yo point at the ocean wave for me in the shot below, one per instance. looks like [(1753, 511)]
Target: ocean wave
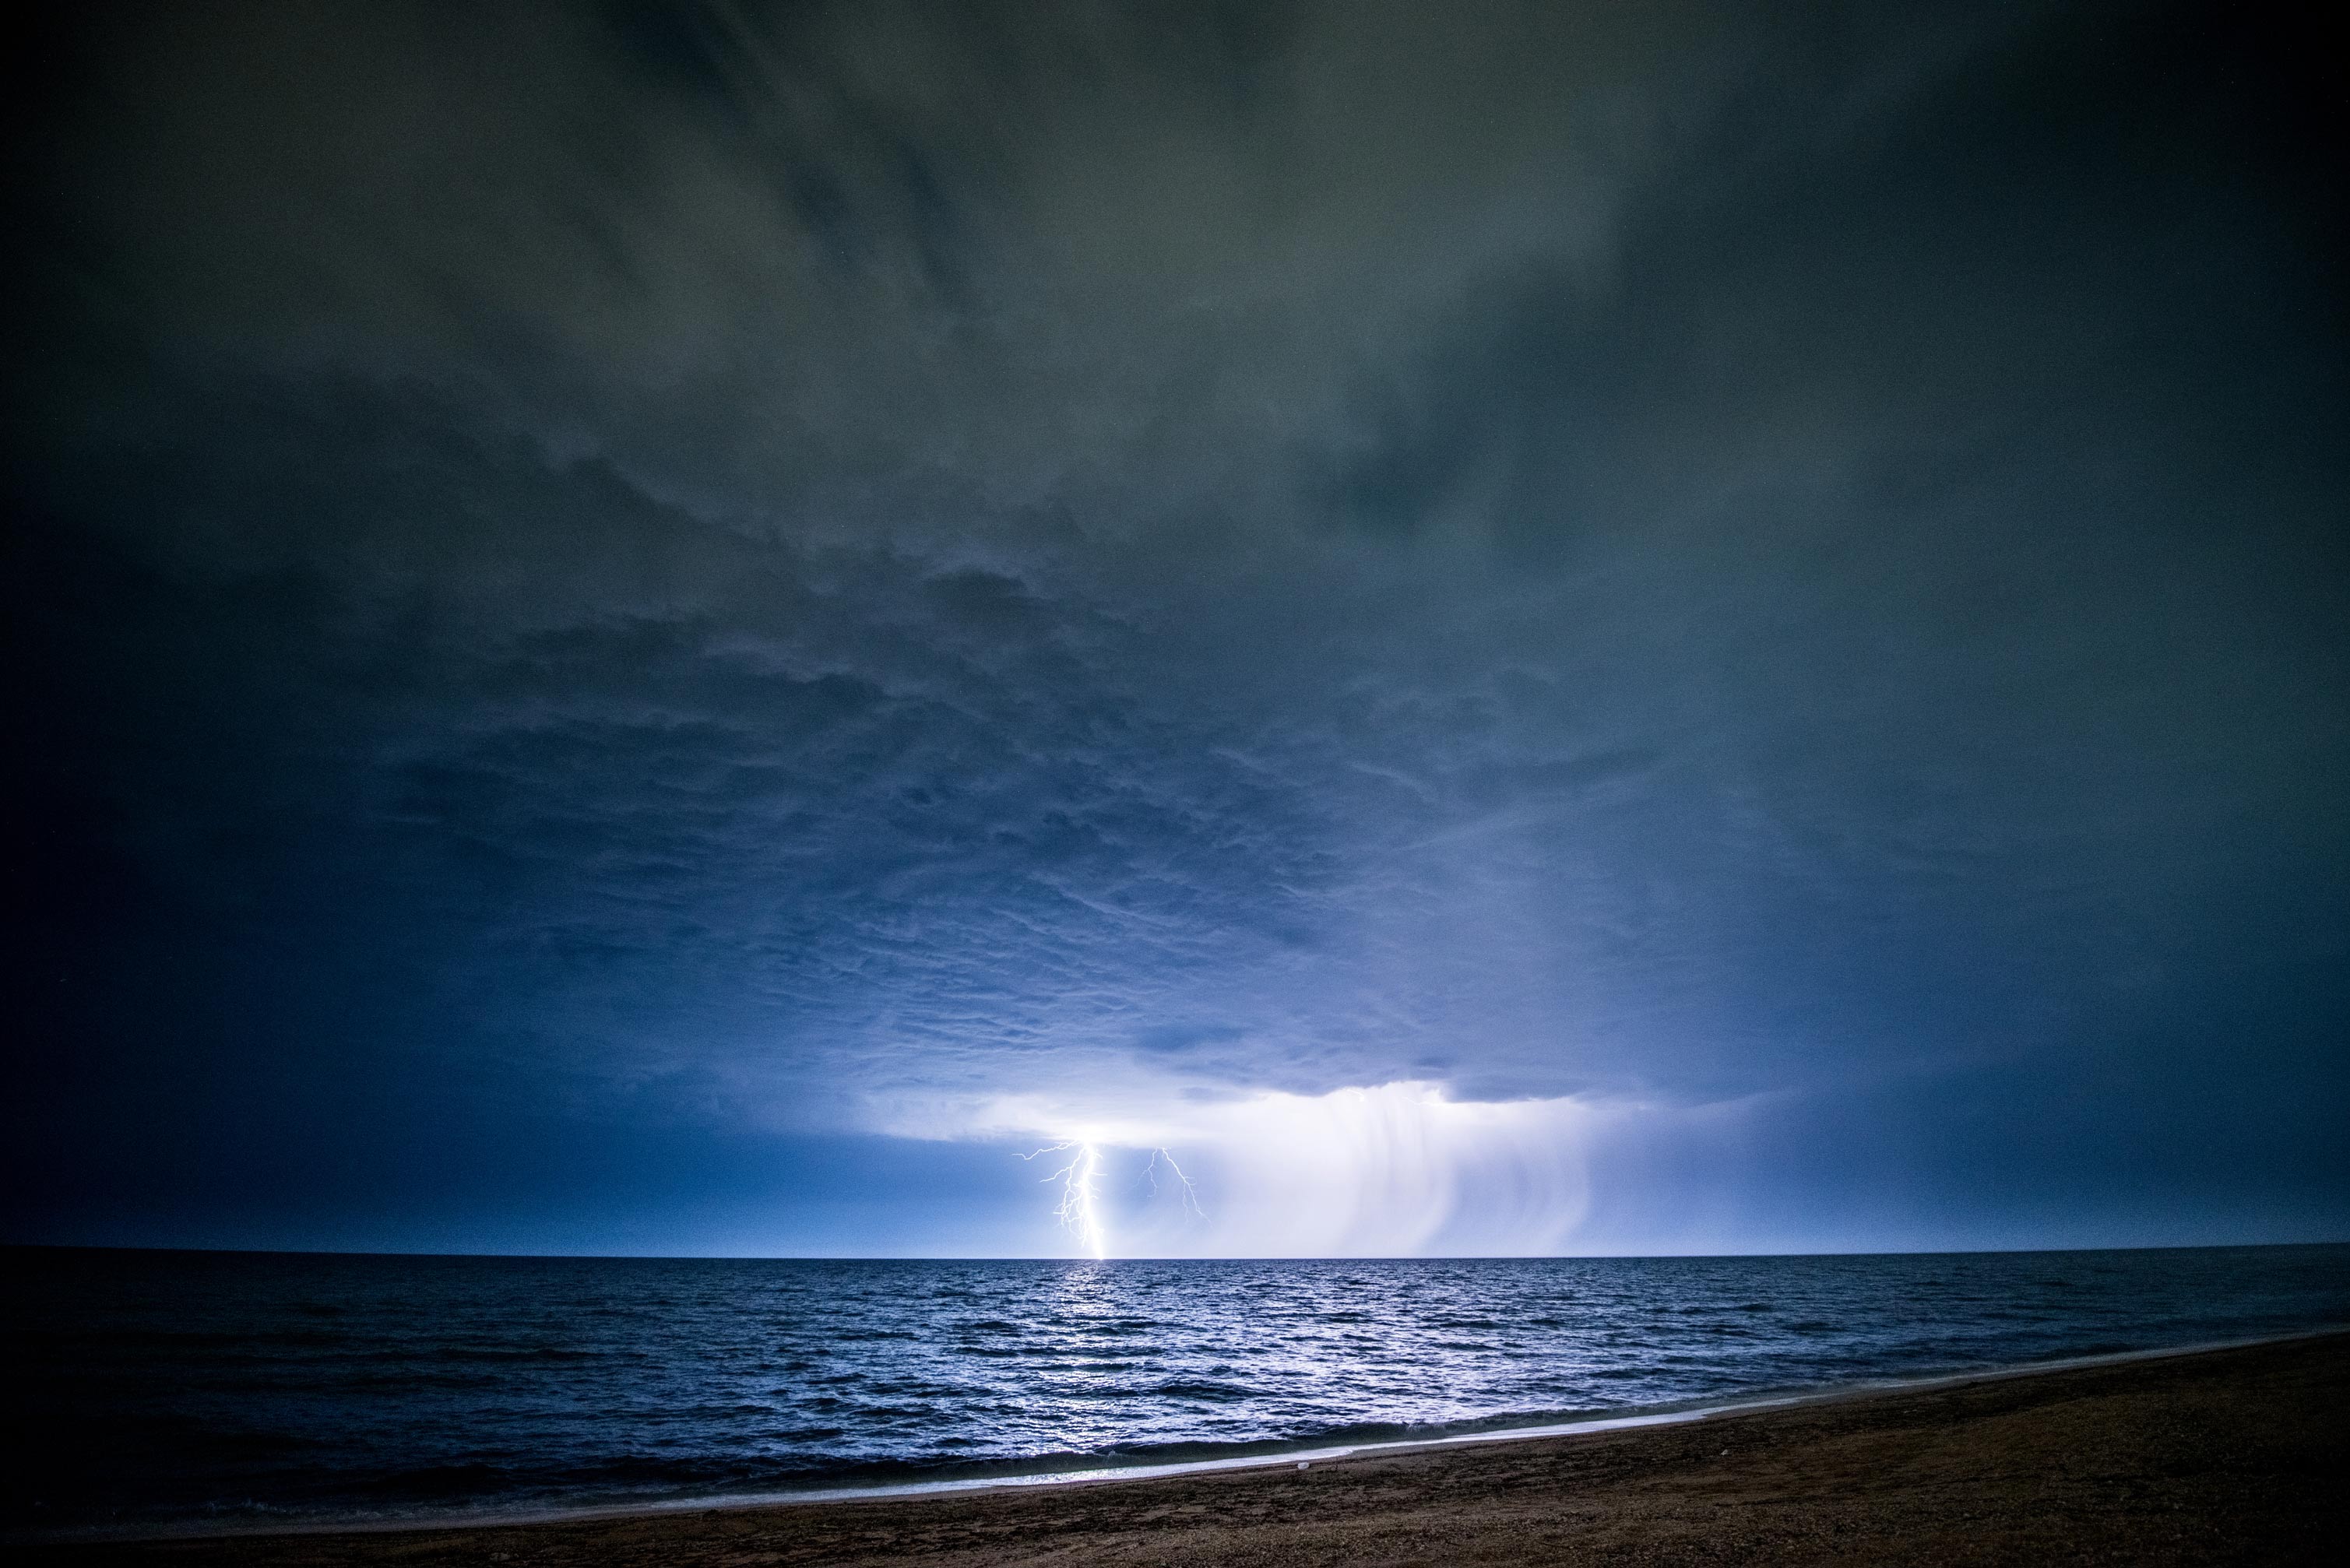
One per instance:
[(440, 1384)]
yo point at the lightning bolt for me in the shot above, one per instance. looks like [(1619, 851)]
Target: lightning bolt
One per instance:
[(1079, 1210), (1191, 1197)]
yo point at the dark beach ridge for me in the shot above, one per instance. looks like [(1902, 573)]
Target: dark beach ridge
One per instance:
[(2217, 1456)]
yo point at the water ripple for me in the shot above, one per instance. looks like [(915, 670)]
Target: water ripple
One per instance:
[(171, 1386)]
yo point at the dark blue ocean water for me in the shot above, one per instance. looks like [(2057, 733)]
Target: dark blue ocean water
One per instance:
[(170, 1388)]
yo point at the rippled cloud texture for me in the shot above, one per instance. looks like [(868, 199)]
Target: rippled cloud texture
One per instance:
[(1515, 627)]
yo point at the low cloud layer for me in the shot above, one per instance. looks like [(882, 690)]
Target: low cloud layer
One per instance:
[(715, 573)]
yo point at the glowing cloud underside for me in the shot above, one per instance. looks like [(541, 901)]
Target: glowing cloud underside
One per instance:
[(1395, 1170)]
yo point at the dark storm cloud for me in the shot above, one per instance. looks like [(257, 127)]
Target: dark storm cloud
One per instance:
[(804, 567)]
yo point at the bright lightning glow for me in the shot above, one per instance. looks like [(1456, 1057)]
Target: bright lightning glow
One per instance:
[(1381, 1170), (1080, 1209)]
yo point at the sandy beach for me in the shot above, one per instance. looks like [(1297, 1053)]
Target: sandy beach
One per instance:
[(2228, 1456)]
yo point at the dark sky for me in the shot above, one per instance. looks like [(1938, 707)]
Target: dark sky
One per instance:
[(1505, 627)]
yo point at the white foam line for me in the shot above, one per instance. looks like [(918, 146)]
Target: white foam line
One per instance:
[(1286, 1459)]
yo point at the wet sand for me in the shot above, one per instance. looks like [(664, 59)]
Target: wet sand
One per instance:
[(2231, 1455)]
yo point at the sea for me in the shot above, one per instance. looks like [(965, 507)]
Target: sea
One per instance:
[(158, 1392)]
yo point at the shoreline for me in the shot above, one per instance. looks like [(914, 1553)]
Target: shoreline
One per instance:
[(1302, 1456)]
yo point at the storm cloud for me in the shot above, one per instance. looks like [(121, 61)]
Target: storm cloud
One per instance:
[(629, 627)]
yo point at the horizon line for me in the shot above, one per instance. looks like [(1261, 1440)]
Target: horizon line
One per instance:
[(1157, 1258)]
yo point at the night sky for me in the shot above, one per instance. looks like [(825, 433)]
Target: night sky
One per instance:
[(1643, 627)]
